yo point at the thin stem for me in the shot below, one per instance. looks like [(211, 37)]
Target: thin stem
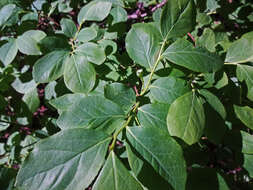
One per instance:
[(154, 68), (72, 41), (118, 132), (115, 135)]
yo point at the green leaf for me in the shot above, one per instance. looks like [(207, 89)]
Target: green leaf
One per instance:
[(64, 102), (89, 112), (236, 55), (68, 27), (68, 160), (143, 44), (121, 95), (119, 15), (94, 11), (161, 151), (115, 176), (178, 17), (248, 164), (245, 73), (215, 115), (5, 13), (212, 5), (93, 52), (28, 42), (32, 100), (87, 34), (245, 114), (184, 54), (247, 143), (8, 52), (141, 168), (186, 118), (167, 89), (50, 67), (214, 102), (207, 40), (79, 74), (153, 115)]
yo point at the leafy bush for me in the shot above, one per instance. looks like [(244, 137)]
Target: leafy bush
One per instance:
[(126, 95)]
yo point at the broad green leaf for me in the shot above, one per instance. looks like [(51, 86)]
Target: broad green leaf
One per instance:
[(214, 102), (207, 40), (184, 54), (247, 143), (28, 42), (215, 115), (94, 11), (245, 73), (64, 102), (161, 151), (79, 74), (115, 2), (178, 17), (8, 52), (93, 52), (22, 85), (91, 111), (121, 95), (7, 178), (5, 13), (153, 115), (205, 178), (68, 160), (50, 67), (3, 103), (115, 176), (68, 27), (143, 44), (248, 164), (141, 168), (245, 114), (119, 15), (236, 55), (167, 89), (32, 100), (186, 118), (212, 5), (87, 34), (53, 43)]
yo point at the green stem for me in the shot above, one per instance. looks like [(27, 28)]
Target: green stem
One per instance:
[(118, 132), (154, 68), (72, 41)]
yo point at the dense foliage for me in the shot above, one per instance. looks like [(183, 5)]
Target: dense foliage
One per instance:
[(126, 94)]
